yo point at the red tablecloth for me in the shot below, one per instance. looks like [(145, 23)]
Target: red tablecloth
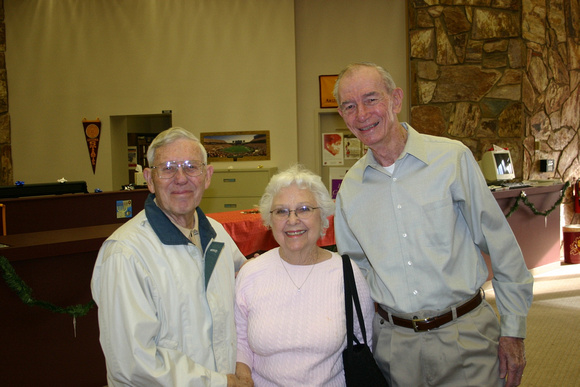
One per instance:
[(246, 229)]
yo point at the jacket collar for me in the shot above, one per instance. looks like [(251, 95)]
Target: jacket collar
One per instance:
[(168, 233)]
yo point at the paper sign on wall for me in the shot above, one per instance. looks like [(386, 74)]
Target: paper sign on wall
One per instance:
[(352, 147), (332, 149), (335, 176)]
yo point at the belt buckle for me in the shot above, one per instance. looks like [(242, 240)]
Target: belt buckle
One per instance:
[(415, 320)]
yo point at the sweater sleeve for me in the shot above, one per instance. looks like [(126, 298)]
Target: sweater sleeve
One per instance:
[(244, 353)]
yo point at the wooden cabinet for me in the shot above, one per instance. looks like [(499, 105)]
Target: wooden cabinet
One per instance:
[(235, 189), (538, 236)]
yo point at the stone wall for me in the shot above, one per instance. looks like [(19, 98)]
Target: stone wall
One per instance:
[(5, 147), (503, 72)]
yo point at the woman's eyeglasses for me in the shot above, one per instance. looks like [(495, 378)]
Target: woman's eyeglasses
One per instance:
[(303, 212)]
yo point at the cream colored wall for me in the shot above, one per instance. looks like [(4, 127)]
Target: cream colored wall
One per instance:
[(332, 34), (219, 65)]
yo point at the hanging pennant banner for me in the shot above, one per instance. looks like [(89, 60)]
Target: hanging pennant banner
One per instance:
[(92, 131)]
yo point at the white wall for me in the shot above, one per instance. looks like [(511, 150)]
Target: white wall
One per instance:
[(219, 65), (333, 33)]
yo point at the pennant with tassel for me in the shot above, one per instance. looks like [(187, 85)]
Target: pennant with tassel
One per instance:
[(92, 131)]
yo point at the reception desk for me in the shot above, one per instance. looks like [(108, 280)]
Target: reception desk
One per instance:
[(52, 243), (538, 236), (39, 346)]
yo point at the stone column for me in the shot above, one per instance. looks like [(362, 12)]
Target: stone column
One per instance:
[(6, 177), (502, 72)]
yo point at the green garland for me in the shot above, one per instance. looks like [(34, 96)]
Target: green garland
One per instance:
[(23, 291), (523, 197)]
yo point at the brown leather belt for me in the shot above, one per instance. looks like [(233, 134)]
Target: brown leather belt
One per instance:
[(421, 325)]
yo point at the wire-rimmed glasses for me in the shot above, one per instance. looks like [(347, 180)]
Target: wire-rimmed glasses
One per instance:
[(303, 212), (191, 168)]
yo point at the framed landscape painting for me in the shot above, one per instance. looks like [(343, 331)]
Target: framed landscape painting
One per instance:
[(237, 146)]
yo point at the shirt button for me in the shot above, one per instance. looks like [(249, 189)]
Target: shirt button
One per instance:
[(415, 292), (404, 235), (394, 179), (399, 206), (410, 263)]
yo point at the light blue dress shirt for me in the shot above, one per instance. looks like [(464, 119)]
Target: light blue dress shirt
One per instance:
[(418, 234)]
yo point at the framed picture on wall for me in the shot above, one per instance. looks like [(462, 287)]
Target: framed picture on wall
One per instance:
[(237, 146), (326, 85)]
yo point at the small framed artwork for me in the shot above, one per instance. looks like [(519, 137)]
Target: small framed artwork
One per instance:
[(237, 146), (326, 84)]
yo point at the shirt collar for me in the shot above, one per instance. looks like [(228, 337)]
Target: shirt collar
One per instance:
[(414, 146)]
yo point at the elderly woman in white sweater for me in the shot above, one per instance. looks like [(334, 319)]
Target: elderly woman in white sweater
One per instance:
[(290, 312)]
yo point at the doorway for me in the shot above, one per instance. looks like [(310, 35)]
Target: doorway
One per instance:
[(130, 138)]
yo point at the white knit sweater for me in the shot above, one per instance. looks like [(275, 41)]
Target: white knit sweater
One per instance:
[(291, 337)]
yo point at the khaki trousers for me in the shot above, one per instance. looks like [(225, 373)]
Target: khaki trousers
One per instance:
[(461, 353)]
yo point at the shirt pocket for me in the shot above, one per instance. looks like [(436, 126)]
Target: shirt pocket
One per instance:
[(438, 219)]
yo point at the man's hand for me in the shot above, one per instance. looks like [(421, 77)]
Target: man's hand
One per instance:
[(512, 360)]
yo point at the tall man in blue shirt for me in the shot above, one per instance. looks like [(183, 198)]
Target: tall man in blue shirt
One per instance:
[(415, 213)]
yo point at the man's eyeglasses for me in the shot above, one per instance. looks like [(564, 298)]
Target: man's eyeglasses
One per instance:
[(303, 212), (169, 169)]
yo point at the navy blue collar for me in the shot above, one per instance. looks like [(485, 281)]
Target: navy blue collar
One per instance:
[(168, 233)]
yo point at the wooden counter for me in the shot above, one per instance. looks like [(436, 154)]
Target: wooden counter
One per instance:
[(39, 347), (55, 243), (52, 243), (57, 212), (538, 236)]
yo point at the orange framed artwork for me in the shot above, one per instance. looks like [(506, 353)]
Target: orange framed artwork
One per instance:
[(326, 84)]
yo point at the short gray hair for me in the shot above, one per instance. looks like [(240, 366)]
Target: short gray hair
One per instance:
[(304, 179), (385, 75), (169, 136)]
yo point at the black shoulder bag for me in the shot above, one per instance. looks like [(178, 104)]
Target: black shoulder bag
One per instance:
[(360, 367)]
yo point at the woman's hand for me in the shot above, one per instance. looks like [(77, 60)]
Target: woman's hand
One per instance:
[(242, 378)]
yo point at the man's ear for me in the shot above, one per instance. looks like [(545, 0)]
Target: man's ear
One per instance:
[(148, 175), (208, 174), (397, 96)]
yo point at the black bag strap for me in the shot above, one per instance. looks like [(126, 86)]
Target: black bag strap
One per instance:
[(350, 295)]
